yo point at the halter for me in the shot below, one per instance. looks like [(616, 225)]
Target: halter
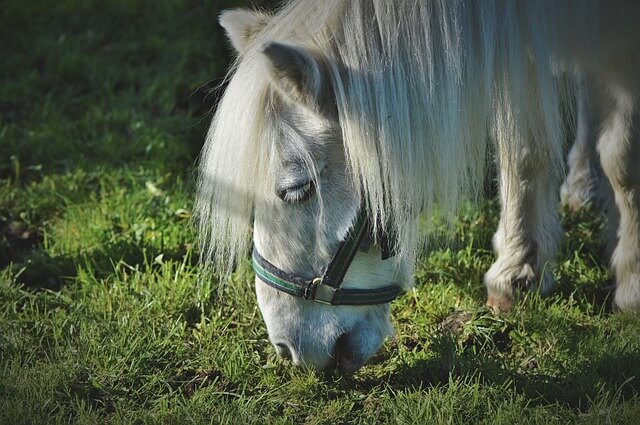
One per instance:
[(326, 289)]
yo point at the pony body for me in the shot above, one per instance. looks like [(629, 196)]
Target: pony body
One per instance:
[(394, 104)]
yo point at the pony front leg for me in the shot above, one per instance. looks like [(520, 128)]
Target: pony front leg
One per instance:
[(529, 228), (619, 148)]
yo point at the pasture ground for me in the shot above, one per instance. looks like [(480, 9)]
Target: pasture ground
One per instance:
[(105, 316)]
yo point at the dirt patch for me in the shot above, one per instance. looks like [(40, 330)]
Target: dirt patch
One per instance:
[(16, 240)]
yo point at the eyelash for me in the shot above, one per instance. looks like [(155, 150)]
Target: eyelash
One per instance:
[(296, 194)]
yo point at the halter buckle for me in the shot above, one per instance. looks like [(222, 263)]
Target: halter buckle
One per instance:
[(310, 289), (318, 291)]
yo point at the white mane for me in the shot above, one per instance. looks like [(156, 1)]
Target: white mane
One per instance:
[(420, 87)]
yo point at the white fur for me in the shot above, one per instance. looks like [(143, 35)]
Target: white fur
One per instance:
[(580, 187), (416, 86)]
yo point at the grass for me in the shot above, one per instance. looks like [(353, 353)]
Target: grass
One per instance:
[(105, 316)]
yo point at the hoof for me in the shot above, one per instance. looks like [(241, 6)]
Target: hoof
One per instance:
[(499, 304)]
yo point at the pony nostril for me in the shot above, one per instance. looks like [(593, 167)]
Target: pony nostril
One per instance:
[(349, 360), (283, 350)]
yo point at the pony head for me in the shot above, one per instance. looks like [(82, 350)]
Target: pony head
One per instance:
[(275, 153)]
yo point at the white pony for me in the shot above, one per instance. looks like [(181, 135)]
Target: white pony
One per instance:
[(335, 104)]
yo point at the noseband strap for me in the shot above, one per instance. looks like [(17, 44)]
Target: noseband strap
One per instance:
[(327, 289)]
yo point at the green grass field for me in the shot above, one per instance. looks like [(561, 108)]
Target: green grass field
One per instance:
[(106, 317)]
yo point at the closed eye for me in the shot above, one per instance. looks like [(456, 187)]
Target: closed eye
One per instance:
[(297, 193)]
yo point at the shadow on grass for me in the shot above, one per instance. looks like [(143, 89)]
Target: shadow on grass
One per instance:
[(612, 376), (40, 270)]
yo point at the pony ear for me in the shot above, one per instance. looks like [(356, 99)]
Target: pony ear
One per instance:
[(242, 26), (300, 76)]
